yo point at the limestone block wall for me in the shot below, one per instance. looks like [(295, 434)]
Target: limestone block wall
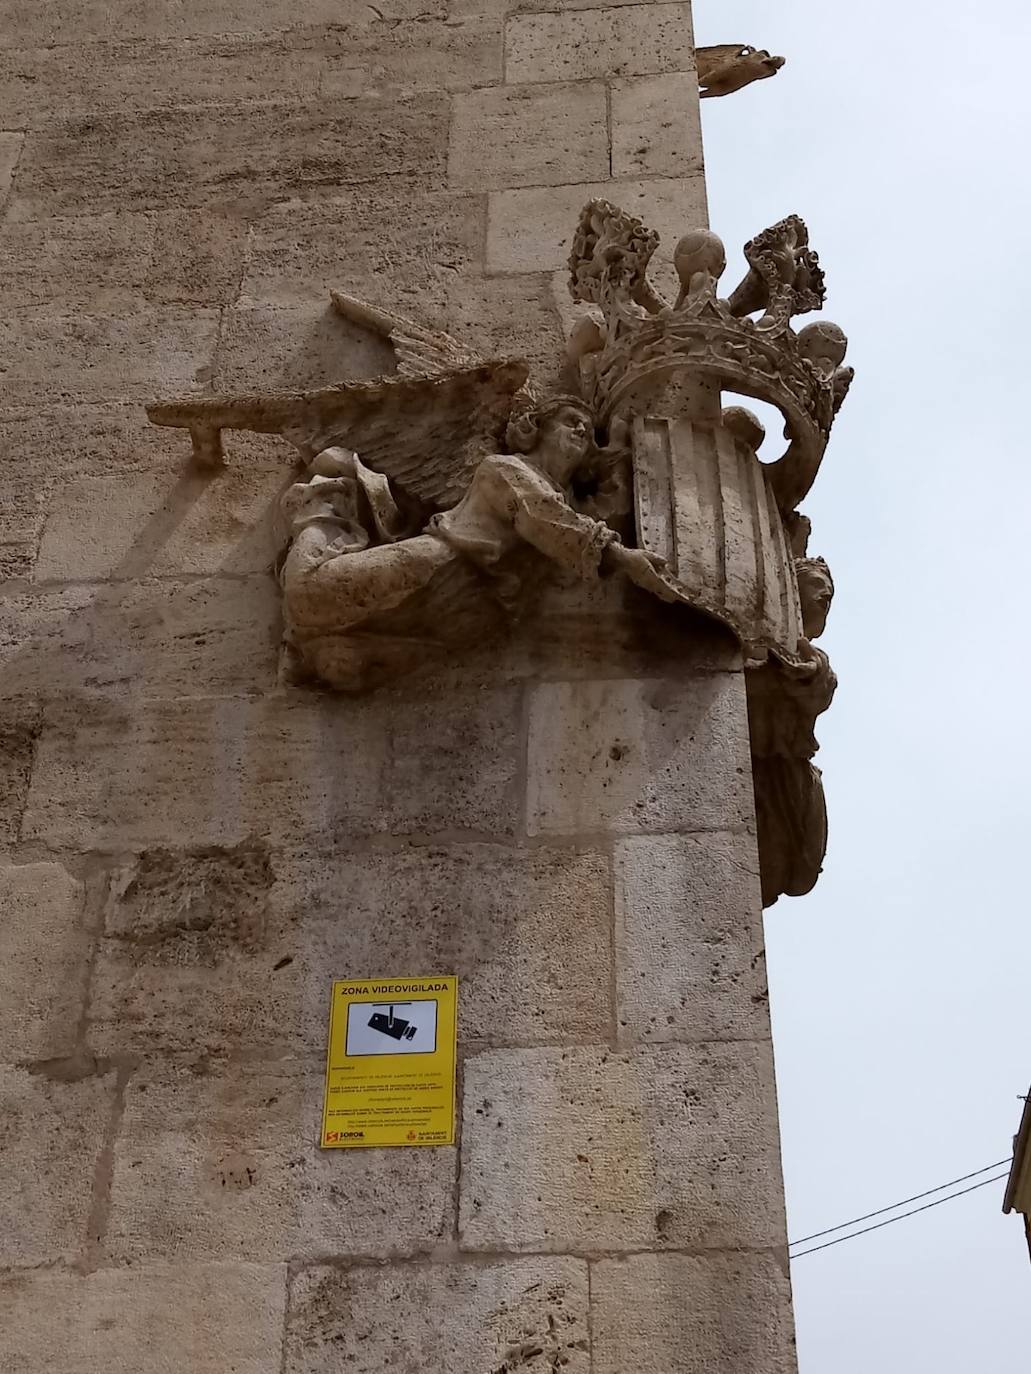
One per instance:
[(191, 849)]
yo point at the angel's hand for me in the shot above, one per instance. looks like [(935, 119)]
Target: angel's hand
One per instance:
[(637, 564)]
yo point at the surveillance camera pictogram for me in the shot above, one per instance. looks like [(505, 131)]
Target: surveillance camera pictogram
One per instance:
[(392, 1027)]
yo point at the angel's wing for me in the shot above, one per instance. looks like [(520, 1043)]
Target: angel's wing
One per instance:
[(426, 428), (420, 352)]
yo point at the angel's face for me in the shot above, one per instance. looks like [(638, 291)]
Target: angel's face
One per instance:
[(565, 438)]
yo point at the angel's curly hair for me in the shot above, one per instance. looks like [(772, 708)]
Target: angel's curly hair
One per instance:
[(523, 432)]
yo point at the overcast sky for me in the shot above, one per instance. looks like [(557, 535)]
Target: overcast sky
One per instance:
[(900, 987)]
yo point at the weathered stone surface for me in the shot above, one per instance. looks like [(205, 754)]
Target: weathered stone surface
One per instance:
[(528, 230), (221, 771), (171, 521), (270, 349), (718, 1314), (97, 357), (689, 939), (509, 317), (498, 9), (656, 130), (153, 638), (117, 263), (43, 953), (588, 1150), (51, 1134), (79, 21), (19, 729), (480, 1319), (619, 41), (98, 438), (204, 953), (527, 932), (193, 961), (364, 244), (115, 76), (634, 755), (529, 136), (426, 55), (207, 1319), (227, 1163), (158, 158), (10, 151)]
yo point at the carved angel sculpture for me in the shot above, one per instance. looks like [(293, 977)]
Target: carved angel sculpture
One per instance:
[(728, 67), (366, 600), (783, 703)]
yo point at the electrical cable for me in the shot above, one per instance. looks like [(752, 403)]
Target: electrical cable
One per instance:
[(904, 1203), (891, 1221)]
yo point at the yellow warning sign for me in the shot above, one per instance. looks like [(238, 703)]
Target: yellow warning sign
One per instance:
[(390, 1070)]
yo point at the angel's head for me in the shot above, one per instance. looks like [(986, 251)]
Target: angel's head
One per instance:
[(557, 436), (815, 592)]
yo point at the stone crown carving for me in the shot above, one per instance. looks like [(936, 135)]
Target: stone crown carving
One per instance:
[(641, 338)]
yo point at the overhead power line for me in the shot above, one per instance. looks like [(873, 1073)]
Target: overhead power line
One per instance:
[(891, 1220), (904, 1203)]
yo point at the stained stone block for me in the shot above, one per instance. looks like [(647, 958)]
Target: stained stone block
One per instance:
[(227, 1163), (111, 438), (309, 346), (169, 521), (689, 939), (152, 638), (656, 130), (75, 21), (117, 263), (424, 55), (20, 723), (201, 1318), (619, 41), (638, 756), (99, 357), (221, 771), (527, 932), (587, 1150), (365, 244), (719, 1314), (528, 230), (43, 954), (179, 158), (192, 961), (498, 9), (113, 76), (10, 151), (529, 136), (440, 1319), (509, 317), (51, 1134)]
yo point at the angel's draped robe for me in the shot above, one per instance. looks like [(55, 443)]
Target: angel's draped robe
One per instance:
[(359, 617)]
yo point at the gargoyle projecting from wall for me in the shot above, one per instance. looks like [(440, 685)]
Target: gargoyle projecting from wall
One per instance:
[(729, 67)]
